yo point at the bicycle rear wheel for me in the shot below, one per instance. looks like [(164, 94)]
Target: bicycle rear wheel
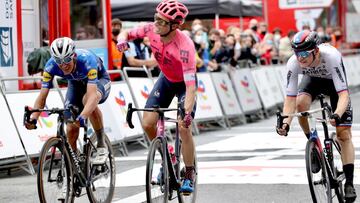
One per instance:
[(157, 173), (102, 178), (180, 170), (318, 178), (54, 179)]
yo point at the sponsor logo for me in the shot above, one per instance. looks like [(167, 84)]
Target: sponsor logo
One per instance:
[(6, 47), (120, 100), (225, 88), (145, 92), (46, 77), (201, 90), (246, 84), (92, 74)]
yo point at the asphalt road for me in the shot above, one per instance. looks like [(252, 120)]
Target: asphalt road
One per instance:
[(247, 163)]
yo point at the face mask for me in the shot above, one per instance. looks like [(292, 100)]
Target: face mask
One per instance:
[(115, 31), (212, 42), (254, 28), (338, 37), (263, 32), (321, 34), (198, 39), (269, 42)]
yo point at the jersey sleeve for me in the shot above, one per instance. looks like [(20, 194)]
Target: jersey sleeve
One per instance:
[(338, 73), (141, 31), (188, 62), (92, 70), (47, 76), (292, 78)]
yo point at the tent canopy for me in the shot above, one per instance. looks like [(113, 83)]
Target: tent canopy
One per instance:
[(134, 10)]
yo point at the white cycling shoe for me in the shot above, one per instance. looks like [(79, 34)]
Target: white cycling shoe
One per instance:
[(102, 155)]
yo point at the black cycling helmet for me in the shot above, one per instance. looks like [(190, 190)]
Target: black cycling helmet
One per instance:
[(305, 40)]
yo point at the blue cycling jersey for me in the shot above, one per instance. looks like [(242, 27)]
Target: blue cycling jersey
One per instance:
[(88, 68)]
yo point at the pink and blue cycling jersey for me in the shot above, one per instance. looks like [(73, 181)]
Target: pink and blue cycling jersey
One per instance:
[(176, 59)]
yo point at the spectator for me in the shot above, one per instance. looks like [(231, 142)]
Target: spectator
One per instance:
[(253, 28), (100, 27), (91, 32), (266, 49), (214, 42), (116, 26), (263, 29), (285, 50), (200, 46), (81, 34), (247, 49), (225, 55)]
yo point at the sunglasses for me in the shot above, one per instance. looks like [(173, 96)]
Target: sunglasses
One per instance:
[(303, 54), (65, 60), (160, 21)]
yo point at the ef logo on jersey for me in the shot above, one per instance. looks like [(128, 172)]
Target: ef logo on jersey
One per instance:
[(46, 77), (92, 74)]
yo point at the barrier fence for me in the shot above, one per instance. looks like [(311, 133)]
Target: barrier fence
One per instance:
[(220, 97)]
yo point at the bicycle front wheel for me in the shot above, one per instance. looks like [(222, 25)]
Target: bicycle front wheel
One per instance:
[(157, 173), (101, 177), (54, 179), (318, 178)]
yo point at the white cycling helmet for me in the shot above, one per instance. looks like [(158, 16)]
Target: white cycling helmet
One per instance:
[(62, 50)]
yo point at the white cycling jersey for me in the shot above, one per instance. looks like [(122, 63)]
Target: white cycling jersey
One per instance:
[(330, 67)]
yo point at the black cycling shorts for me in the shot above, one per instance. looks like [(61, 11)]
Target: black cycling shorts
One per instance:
[(315, 86)]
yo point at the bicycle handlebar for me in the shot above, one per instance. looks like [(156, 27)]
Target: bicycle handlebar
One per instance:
[(155, 109), (69, 113)]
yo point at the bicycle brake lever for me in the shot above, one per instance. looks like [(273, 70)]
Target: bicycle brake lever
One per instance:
[(129, 115)]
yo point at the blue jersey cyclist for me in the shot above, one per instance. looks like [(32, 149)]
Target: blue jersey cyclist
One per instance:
[(88, 86)]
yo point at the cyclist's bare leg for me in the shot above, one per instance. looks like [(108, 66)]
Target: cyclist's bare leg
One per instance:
[(96, 120), (149, 124), (303, 103), (188, 146), (347, 147), (72, 132)]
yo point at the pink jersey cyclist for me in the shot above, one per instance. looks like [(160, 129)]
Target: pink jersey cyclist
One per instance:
[(176, 59)]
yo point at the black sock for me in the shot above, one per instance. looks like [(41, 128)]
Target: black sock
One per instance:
[(349, 173), (100, 137), (189, 171), (307, 135)]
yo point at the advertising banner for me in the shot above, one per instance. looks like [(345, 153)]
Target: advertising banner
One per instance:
[(264, 87), (116, 110), (10, 145), (8, 42), (291, 4), (208, 105), (246, 90), (226, 94), (46, 125)]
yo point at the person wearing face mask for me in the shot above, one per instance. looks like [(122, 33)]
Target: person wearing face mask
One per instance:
[(262, 30), (253, 26), (117, 56)]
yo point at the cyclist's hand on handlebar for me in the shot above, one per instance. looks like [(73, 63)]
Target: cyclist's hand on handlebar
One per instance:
[(283, 131), (122, 45), (81, 121), (335, 119), (186, 121), (31, 124)]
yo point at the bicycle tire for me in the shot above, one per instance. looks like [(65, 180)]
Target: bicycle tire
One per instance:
[(157, 191), (52, 153), (319, 183), (337, 168), (94, 172), (181, 173)]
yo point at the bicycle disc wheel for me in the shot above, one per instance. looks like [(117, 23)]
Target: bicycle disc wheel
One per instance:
[(54, 179), (337, 168), (102, 178), (181, 168), (318, 178), (157, 173)]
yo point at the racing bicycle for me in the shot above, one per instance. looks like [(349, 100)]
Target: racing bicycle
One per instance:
[(161, 161), (323, 164), (63, 171)]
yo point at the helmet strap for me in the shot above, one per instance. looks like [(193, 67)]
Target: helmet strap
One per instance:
[(171, 29)]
